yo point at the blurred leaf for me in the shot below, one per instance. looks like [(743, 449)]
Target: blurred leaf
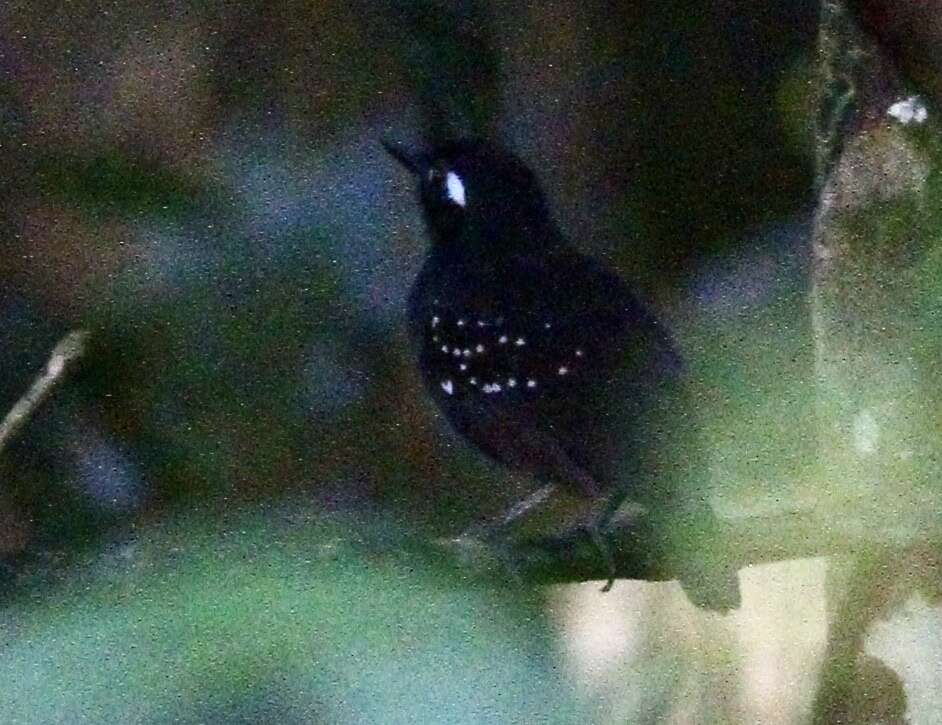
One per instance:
[(115, 184), (278, 614)]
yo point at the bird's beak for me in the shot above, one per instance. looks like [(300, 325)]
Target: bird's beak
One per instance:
[(410, 160)]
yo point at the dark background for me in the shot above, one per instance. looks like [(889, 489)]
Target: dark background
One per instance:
[(201, 187), (203, 190)]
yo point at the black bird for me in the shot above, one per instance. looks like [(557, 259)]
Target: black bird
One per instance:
[(537, 354)]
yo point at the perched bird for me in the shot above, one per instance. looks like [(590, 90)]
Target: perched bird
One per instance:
[(537, 354)]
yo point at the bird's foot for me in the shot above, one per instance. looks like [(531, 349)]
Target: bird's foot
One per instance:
[(597, 525), (597, 537)]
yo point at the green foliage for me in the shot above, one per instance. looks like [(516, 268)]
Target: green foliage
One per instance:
[(275, 615), (117, 184)]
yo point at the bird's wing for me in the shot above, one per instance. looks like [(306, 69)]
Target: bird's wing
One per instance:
[(587, 325)]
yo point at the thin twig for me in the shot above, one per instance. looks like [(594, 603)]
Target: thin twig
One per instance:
[(69, 349)]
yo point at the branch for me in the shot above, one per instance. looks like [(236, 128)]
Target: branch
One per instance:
[(69, 349), (704, 556)]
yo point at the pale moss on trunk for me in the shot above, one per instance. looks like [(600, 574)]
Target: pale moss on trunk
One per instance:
[(875, 302), (876, 285)]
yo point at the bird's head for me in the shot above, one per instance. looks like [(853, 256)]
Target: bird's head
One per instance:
[(474, 193)]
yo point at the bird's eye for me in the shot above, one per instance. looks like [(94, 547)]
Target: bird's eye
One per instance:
[(454, 188)]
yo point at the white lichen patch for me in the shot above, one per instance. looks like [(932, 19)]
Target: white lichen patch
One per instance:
[(909, 110), (866, 433)]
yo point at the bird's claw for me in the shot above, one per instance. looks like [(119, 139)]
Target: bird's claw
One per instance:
[(605, 551)]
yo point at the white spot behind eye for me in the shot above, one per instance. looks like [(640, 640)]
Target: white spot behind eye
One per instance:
[(455, 188)]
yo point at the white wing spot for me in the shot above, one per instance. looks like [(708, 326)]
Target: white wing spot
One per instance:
[(435, 321), (445, 349), (455, 188), (531, 383), (456, 352), (502, 340), (579, 353), (512, 383), (463, 367), (563, 370), (448, 387), (466, 352), (460, 323), (482, 323), (479, 349), (491, 388), (520, 342), (435, 338), (547, 326), (473, 381)]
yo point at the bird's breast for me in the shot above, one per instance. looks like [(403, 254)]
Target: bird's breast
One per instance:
[(497, 355)]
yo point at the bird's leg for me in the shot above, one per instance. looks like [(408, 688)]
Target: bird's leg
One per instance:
[(522, 508), (596, 521), (500, 523), (606, 553), (491, 531), (596, 526)]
